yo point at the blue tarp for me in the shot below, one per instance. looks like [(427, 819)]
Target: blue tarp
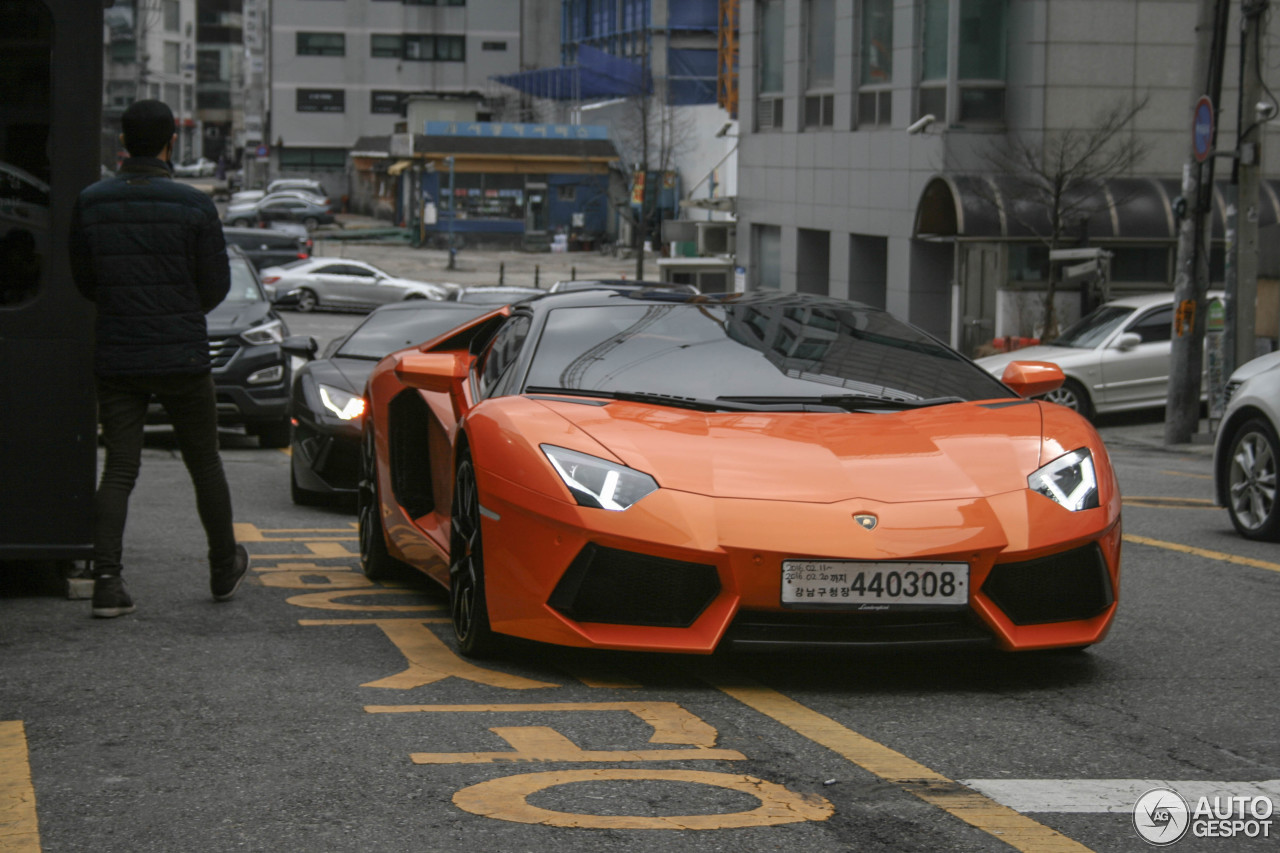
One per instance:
[(596, 75)]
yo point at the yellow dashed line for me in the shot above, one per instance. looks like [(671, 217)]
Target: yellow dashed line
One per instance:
[(1001, 822), (1186, 474), (19, 828), (1202, 552), (1170, 503)]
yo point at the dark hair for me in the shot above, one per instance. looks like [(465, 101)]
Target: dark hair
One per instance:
[(148, 126)]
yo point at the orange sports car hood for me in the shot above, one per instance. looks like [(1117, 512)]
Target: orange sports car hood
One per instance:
[(943, 452)]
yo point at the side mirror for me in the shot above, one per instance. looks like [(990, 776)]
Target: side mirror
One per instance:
[(1128, 341), (303, 346), (433, 371), (1032, 378)]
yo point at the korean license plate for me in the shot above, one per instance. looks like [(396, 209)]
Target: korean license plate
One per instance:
[(888, 584)]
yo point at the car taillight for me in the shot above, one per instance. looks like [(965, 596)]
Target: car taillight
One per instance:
[(271, 279), (302, 256)]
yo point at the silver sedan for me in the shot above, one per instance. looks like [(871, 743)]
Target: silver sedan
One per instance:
[(344, 284)]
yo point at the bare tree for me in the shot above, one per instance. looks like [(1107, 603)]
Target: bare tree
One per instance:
[(1054, 182)]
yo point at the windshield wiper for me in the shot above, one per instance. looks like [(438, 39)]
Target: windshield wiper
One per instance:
[(849, 402), (721, 404)]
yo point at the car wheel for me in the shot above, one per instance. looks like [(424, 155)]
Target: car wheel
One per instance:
[(1072, 395), (375, 559), (307, 300), (467, 605), (311, 223), (273, 434), (1251, 481), (299, 495), (414, 296)]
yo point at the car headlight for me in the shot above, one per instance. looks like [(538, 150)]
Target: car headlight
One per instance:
[(344, 405), (271, 332), (1069, 480), (597, 482)]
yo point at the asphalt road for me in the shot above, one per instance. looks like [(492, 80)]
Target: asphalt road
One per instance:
[(316, 712)]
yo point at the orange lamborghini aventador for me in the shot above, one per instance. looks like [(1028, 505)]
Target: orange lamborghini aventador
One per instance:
[(668, 472)]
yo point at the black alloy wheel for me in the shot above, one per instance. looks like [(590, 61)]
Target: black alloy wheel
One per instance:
[(375, 559), (467, 605)]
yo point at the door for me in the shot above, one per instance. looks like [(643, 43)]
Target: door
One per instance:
[(1139, 376), (979, 283), (535, 208)]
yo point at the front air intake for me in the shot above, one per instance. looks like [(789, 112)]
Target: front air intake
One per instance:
[(1059, 588), (626, 588)]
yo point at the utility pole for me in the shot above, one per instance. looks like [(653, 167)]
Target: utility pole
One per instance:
[(1191, 280), (1239, 343)]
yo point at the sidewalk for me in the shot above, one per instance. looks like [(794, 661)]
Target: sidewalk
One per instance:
[(1146, 430)]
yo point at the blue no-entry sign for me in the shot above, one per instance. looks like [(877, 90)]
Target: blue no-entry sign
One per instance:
[(1202, 129)]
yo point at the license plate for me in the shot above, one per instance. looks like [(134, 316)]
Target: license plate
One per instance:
[(864, 585)]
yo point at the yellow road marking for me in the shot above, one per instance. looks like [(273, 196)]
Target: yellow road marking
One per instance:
[(19, 827), (1202, 552), (1009, 826), (306, 579), (429, 659), (249, 532), (1170, 503), (507, 799), (329, 601), (1186, 474)]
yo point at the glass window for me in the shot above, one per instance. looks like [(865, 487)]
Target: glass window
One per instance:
[(877, 42), (321, 44), (502, 353), (822, 44), (451, 48), (312, 158), (772, 16), (172, 16), (387, 102), (321, 101), (420, 48), (386, 45), (1155, 325), (934, 61), (1149, 264), (493, 45), (982, 39), (768, 257)]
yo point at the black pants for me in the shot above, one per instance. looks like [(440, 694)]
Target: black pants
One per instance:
[(122, 410)]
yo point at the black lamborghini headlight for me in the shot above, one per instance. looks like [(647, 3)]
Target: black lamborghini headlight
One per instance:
[(343, 405), (1069, 480), (597, 482)]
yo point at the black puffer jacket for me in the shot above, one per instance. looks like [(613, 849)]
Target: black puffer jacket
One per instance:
[(150, 252)]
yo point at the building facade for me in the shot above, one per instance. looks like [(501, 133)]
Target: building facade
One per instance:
[(867, 127), (344, 69)]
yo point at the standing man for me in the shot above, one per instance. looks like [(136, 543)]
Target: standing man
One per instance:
[(150, 253)]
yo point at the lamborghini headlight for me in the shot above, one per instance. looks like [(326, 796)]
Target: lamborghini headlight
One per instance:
[(1069, 480), (598, 482), (344, 405), (271, 332)]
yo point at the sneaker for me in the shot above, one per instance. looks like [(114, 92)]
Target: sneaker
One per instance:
[(223, 583), (110, 598)]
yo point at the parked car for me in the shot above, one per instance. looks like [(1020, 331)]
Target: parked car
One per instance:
[(311, 211), (328, 395), (762, 470), (251, 351), (341, 283), (266, 247), (1246, 452), (494, 294), (201, 168), (313, 187), (1115, 358), (619, 284)]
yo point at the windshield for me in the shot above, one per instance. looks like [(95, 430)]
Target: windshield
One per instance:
[(1094, 328), (387, 331), (244, 284), (790, 349)]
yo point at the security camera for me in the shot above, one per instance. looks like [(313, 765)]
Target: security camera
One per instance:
[(921, 123), (1265, 110)]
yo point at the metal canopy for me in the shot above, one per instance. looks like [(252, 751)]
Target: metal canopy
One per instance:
[(997, 207)]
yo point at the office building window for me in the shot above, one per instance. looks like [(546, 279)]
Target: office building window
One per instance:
[(962, 72), (769, 101), (322, 44), (875, 79), (493, 45), (425, 48), (768, 259), (387, 102), (321, 101), (820, 63), (172, 16), (391, 46), (172, 56), (312, 158)]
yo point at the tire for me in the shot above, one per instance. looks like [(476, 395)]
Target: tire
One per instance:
[(311, 223), (1252, 479), (307, 300), (375, 559), (468, 609), (1072, 395), (273, 434), (301, 496)]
